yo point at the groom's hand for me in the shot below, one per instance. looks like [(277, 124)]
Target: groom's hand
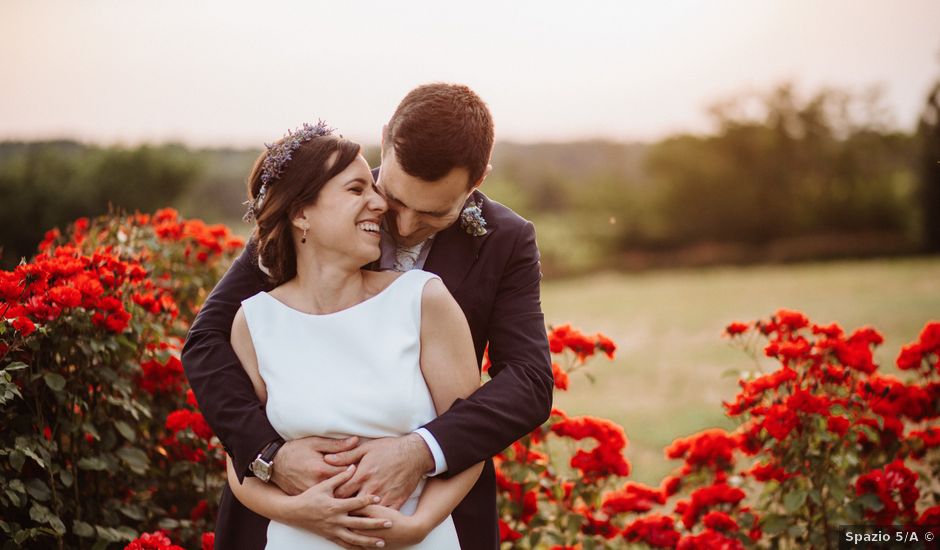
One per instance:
[(389, 467), (299, 463)]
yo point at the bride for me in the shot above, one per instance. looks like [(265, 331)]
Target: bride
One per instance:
[(335, 350)]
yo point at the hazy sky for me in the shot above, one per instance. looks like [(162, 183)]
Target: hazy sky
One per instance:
[(239, 73)]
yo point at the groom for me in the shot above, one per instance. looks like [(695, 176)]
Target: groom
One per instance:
[(435, 152)]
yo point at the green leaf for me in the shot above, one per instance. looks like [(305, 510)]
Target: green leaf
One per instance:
[(18, 486), (36, 458), (133, 511), (838, 491), (774, 524), (180, 467), (17, 459), (15, 499), (797, 531), (794, 500), (93, 463), (39, 513), (21, 536), (728, 373), (126, 533), (57, 524), (107, 533), (871, 502), (82, 529), (38, 490), (746, 521), (55, 381), (16, 365), (135, 459), (66, 477), (126, 431), (91, 430), (168, 524)]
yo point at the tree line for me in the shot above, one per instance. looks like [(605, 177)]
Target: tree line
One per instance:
[(781, 176)]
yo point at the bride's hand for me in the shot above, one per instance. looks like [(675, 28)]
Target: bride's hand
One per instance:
[(317, 510), (405, 530)]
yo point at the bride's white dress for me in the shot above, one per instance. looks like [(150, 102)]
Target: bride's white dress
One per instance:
[(353, 372)]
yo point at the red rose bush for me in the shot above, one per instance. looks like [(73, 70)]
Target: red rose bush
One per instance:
[(90, 330), (104, 444)]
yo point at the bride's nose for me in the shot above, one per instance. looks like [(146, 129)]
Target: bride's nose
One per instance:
[(377, 203)]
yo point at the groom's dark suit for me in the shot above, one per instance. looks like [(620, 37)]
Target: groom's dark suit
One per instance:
[(495, 279)]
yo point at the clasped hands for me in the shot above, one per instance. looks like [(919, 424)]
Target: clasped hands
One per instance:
[(349, 491)]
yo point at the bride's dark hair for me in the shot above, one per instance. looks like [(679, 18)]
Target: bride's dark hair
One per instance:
[(297, 187)]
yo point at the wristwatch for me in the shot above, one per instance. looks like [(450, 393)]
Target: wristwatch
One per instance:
[(263, 465)]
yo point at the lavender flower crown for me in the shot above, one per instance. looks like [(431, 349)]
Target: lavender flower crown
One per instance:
[(277, 156)]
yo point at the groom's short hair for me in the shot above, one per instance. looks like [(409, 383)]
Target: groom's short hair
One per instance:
[(438, 127)]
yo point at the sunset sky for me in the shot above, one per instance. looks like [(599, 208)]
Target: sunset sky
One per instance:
[(238, 73)]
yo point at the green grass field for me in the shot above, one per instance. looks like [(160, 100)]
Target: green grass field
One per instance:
[(666, 381)]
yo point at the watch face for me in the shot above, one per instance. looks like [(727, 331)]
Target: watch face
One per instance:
[(261, 469)]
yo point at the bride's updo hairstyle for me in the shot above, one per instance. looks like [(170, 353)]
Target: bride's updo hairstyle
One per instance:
[(294, 182)]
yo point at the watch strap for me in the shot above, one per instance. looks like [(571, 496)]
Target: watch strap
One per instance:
[(267, 454)]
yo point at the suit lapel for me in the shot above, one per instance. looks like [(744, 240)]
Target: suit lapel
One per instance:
[(453, 253), (454, 250)]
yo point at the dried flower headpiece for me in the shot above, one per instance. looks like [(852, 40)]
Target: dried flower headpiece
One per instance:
[(277, 156)]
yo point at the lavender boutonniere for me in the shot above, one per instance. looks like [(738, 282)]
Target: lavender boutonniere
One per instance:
[(471, 219)]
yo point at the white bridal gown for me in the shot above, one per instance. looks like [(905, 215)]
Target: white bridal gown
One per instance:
[(353, 372)]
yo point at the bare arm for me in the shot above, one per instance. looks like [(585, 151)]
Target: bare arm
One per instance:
[(315, 509), (449, 367), (519, 397), (448, 363)]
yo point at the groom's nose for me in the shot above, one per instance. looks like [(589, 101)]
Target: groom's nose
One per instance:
[(407, 222)]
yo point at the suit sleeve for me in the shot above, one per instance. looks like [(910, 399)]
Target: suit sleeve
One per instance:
[(519, 397), (220, 383)]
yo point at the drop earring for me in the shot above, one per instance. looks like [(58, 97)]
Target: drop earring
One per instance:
[(304, 238)]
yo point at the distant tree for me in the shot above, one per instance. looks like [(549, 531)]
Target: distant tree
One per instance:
[(49, 184), (781, 166), (929, 133)]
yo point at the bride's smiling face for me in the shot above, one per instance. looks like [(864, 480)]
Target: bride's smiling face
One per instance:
[(346, 216)]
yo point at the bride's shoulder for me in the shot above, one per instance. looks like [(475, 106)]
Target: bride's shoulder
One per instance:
[(436, 300), (378, 280)]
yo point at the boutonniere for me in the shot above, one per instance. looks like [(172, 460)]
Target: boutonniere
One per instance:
[(471, 219)]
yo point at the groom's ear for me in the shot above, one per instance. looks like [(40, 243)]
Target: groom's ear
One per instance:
[(479, 182)]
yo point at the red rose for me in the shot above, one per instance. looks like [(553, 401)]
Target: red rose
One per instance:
[(561, 377), (910, 357), (633, 497), (65, 296), (606, 345), (837, 425), (507, 533), (930, 337), (199, 511), (655, 530), (720, 521), (24, 326)]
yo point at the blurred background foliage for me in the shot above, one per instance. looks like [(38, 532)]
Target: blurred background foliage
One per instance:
[(782, 177)]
